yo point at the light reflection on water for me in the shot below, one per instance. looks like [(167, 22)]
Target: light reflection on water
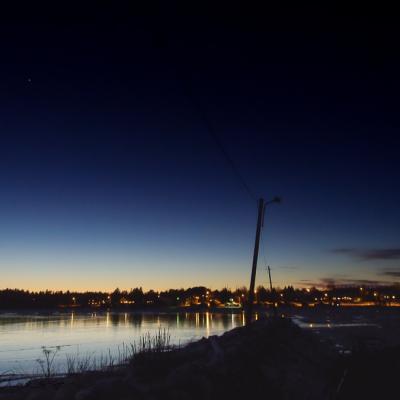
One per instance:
[(80, 334), (302, 323)]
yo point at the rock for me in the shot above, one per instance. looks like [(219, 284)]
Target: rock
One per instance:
[(11, 396), (112, 388), (67, 391), (41, 394), (85, 394)]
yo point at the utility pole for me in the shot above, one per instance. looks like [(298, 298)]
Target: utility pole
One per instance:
[(273, 297), (250, 300)]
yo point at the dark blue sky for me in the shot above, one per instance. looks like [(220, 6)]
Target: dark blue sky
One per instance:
[(109, 176)]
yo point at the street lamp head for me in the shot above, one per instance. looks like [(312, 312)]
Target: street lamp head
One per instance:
[(277, 199)]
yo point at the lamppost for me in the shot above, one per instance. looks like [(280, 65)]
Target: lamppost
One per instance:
[(260, 223)]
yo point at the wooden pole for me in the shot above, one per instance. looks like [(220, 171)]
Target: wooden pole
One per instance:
[(250, 299)]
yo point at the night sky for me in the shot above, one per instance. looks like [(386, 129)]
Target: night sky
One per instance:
[(110, 175)]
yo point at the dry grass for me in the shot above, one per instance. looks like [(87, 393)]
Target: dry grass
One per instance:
[(126, 353)]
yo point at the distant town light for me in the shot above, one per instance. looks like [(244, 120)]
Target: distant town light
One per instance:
[(124, 301)]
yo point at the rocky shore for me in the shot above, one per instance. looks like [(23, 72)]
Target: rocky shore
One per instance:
[(272, 359)]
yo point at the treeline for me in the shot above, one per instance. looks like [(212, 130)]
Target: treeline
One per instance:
[(137, 297), (199, 296)]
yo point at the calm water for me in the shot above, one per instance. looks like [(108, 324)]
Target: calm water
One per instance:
[(95, 334)]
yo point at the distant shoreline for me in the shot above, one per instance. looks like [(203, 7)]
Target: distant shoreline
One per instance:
[(146, 310), (173, 310)]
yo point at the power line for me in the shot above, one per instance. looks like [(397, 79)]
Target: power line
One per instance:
[(232, 164), (235, 170)]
